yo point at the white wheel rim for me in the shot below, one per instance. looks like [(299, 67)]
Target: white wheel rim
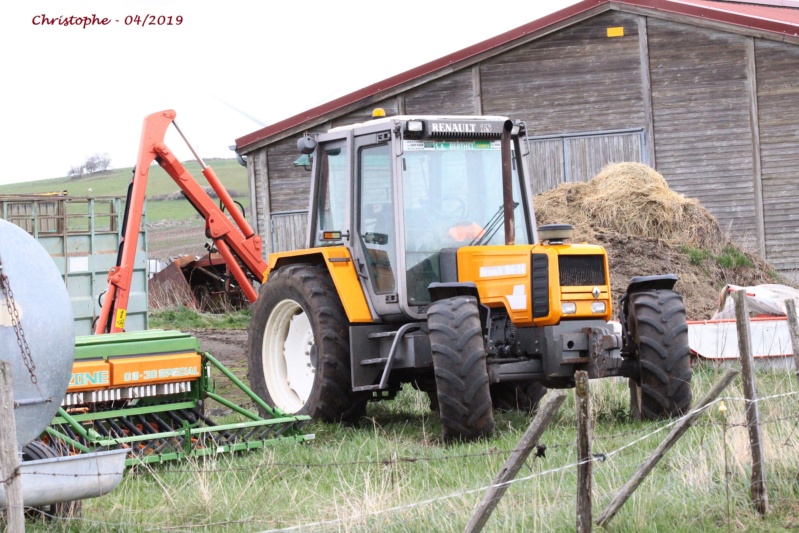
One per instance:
[(286, 356)]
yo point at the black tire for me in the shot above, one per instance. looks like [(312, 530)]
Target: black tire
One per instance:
[(656, 323), (35, 451), (517, 396), (459, 361), (291, 293)]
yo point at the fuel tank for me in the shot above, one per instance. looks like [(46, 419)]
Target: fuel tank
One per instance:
[(37, 335)]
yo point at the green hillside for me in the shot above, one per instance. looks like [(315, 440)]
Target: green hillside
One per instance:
[(115, 183)]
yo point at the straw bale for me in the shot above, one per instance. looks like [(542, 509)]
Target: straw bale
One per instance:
[(633, 199), (648, 229)]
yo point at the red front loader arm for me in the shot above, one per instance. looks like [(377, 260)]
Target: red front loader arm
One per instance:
[(232, 241)]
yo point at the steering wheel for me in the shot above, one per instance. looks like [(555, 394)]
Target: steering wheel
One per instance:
[(452, 208)]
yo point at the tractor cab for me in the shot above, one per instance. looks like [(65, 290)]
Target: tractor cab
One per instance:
[(421, 188)]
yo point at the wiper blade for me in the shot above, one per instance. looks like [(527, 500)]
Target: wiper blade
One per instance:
[(492, 226)]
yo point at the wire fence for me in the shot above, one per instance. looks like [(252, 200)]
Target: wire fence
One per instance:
[(602, 457)]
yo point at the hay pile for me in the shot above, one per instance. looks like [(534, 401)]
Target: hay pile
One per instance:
[(649, 229)]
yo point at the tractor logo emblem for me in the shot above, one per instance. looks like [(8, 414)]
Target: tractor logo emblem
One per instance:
[(595, 292)]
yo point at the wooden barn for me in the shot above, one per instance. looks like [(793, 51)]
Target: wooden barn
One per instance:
[(706, 92)]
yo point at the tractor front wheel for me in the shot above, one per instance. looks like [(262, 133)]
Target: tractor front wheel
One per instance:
[(459, 362), (298, 346), (656, 322)]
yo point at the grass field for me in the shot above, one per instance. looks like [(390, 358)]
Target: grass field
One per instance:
[(115, 182), (392, 473)]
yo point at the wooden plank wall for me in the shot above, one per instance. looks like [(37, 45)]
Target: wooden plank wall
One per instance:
[(588, 155), (579, 158), (450, 95), (546, 164), (257, 173), (778, 110), (289, 186), (289, 231), (576, 80), (365, 113), (703, 138)]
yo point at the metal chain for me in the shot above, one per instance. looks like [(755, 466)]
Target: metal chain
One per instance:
[(22, 342)]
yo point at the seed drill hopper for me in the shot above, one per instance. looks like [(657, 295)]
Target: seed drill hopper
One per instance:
[(147, 392)]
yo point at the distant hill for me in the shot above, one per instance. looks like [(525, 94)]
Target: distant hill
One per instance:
[(115, 182), (164, 202)]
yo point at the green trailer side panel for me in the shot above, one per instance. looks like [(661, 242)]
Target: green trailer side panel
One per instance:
[(82, 236)]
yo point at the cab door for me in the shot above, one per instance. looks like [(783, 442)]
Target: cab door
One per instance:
[(374, 239)]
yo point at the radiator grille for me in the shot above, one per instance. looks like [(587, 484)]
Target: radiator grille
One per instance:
[(580, 270), (540, 285)]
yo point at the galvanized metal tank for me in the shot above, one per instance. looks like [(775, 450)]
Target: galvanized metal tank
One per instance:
[(41, 308)]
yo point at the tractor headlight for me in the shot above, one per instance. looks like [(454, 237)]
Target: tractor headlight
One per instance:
[(568, 308), (415, 126), (598, 307)]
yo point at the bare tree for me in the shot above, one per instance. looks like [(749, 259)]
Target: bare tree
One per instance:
[(91, 164), (94, 163), (103, 162), (75, 172)]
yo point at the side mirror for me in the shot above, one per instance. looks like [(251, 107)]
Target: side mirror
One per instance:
[(306, 145), (375, 238)]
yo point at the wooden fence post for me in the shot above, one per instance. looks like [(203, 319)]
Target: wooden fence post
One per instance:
[(584, 459), (793, 327), (546, 412), (9, 460), (677, 431), (757, 485)]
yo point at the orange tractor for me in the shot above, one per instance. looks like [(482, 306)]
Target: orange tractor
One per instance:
[(424, 265)]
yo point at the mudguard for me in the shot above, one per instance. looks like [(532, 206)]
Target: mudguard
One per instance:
[(641, 284)]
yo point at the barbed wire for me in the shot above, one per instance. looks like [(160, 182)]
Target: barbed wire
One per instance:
[(142, 470), (10, 477)]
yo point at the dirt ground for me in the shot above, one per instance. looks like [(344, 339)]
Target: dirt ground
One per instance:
[(229, 346), (168, 240), (699, 283)]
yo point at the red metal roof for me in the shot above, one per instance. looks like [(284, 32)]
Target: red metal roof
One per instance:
[(775, 19), (770, 18)]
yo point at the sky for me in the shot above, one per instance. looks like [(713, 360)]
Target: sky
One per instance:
[(228, 69)]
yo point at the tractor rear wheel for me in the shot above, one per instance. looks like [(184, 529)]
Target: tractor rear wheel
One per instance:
[(656, 323), (459, 362), (298, 346)]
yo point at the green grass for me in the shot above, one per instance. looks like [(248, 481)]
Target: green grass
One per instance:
[(183, 318), (392, 473), (733, 258), (695, 255), (115, 182), (730, 257)]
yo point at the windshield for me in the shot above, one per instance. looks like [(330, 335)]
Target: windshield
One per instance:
[(452, 197)]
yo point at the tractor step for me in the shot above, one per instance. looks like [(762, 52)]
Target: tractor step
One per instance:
[(366, 388), (382, 335), (377, 361)]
